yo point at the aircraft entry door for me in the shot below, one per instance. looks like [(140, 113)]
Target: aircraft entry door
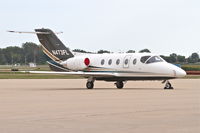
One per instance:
[(126, 61)]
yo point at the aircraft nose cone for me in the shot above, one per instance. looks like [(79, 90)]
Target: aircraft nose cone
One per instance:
[(180, 73)]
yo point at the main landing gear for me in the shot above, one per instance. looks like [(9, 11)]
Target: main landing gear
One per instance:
[(167, 85), (90, 83), (119, 84)]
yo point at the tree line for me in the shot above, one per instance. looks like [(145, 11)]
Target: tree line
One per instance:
[(31, 52), (27, 53)]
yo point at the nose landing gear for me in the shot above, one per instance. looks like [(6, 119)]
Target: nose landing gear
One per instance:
[(167, 85)]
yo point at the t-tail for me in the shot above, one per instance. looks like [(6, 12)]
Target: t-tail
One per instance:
[(52, 46)]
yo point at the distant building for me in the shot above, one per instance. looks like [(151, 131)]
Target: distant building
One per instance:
[(31, 64)]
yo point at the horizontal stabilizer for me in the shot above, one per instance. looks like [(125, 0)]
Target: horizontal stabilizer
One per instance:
[(29, 32)]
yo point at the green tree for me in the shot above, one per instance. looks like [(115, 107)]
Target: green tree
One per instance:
[(13, 55), (173, 58), (2, 58), (103, 51), (80, 51), (145, 51), (131, 51), (181, 59), (193, 58), (30, 52)]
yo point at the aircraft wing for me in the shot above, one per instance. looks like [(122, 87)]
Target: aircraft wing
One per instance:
[(79, 73)]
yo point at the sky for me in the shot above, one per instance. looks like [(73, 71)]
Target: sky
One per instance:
[(163, 26)]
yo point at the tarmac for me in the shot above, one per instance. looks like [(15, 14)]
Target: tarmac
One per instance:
[(66, 106)]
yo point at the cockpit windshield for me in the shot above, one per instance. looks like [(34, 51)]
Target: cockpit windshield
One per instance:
[(154, 59)]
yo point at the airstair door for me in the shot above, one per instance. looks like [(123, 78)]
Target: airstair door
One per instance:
[(127, 61)]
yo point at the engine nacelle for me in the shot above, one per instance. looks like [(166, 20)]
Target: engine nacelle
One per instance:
[(77, 63)]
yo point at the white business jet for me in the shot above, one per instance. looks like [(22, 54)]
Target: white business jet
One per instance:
[(117, 67)]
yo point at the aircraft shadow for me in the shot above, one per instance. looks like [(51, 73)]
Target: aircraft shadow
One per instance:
[(96, 89)]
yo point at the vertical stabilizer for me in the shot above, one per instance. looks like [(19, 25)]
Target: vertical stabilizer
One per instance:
[(52, 46)]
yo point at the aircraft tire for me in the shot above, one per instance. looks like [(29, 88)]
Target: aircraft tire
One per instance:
[(90, 85), (168, 86), (119, 84)]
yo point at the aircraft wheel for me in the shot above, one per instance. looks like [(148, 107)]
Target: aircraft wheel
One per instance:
[(168, 85), (90, 85), (119, 84)]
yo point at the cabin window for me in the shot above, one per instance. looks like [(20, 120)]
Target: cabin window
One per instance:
[(118, 61), (144, 59), (126, 62), (134, 61), (102, 62), (110, 62), (154, 59)]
